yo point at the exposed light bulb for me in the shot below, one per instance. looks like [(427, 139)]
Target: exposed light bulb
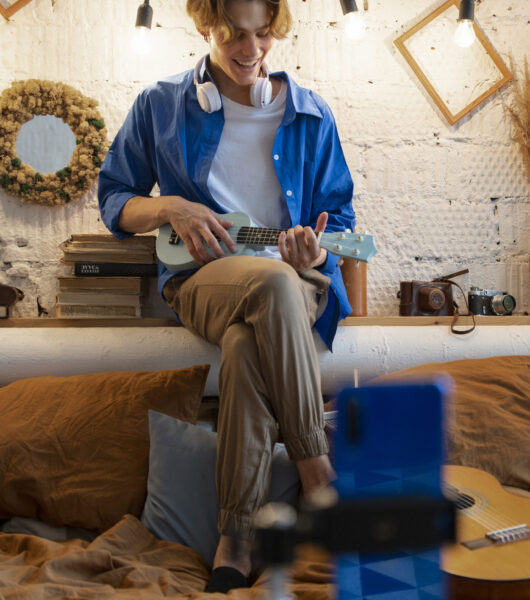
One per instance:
[(142, 32), (464, 33), (353, 24), (142, 40)]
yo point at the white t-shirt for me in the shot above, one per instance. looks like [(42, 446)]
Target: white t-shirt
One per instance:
[(242, 177)]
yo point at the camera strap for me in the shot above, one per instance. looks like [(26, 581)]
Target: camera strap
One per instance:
[(449, 279)]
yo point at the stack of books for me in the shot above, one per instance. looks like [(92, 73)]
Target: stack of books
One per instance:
[(99, 297), (107, 276), (102, 255)]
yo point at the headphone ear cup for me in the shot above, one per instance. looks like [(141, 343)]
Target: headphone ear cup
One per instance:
[(208, 97), (261, 92)]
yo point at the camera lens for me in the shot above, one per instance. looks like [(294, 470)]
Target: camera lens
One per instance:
[(431, 299), (502, 304)]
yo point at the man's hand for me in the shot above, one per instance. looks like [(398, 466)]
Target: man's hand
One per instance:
[(197, 225), (299, 246)]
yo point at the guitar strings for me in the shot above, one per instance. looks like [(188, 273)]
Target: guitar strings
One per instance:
[(490, 519)]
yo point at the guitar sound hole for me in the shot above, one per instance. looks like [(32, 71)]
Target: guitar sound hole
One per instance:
[(464, 501)]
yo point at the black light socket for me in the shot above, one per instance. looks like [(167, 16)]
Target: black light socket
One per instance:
[(348, 6), (467, 10), (144, 16)]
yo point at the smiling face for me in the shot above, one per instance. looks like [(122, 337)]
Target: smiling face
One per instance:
[(236, 64)]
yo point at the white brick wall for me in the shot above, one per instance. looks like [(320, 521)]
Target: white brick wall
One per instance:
[(437, 198)]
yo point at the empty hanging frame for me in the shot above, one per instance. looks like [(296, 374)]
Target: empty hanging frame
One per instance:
[(10, 7), (457, 79)]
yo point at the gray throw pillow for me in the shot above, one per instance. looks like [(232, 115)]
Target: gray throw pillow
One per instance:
[(181, 503)]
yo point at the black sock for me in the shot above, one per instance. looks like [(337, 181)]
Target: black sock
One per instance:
[(224, 579)]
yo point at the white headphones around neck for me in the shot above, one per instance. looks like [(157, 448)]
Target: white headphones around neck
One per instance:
[(209, 97)]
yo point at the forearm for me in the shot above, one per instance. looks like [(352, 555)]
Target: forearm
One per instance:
[(141, 215)]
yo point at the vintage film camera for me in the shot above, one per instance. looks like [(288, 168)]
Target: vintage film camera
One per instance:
[(425, 298), (490, 302), (9, 296)]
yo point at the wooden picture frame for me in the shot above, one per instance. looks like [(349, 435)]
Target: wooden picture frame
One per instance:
[(453, 104), (9, 7)]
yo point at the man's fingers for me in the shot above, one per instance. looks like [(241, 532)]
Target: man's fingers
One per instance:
[(322, 221), (198, 249), (209, 238), (312, 243), (282, 247), (220, 228), (292, 246)]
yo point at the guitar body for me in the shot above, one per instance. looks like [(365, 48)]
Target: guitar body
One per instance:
[(176, 256), (496, 571)]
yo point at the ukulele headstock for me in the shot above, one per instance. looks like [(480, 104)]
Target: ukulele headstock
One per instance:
[(359, 246)]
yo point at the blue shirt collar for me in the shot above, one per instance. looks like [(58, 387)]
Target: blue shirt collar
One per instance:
[(298, 100)]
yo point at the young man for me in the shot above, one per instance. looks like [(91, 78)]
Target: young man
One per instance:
[(228, 137)]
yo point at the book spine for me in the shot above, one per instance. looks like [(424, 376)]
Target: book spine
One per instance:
[(97, 269), (129, 285), (98, 299), (74, 311), (109, 257)]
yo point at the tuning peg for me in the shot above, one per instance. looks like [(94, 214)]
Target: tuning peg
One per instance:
[(359, 238), (357, 264), (347, 231), (337, 247), (355, 252), (341, 236), (340, 262)]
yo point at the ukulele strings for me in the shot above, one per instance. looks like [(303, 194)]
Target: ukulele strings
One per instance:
[(257, 235)]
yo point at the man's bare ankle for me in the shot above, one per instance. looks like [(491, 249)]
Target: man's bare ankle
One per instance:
[(315, 473)]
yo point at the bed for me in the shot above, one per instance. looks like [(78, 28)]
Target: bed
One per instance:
[(106, 478)]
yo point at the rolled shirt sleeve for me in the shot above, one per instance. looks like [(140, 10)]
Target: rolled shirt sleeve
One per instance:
[(127, 170)]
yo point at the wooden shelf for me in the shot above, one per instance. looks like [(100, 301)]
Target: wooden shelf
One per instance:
[(51, 322), (446, 321), (348, 322)]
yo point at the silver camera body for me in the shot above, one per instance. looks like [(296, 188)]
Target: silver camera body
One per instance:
[(490, 302)]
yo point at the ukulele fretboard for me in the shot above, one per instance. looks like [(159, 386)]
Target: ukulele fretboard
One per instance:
[(251, 236), (258, 236)]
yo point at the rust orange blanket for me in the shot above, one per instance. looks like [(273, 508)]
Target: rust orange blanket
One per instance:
[(128, 562)]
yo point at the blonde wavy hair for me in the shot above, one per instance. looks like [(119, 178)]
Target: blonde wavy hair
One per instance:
[(208, 14)]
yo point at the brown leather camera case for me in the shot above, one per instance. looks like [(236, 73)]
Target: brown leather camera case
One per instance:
[(425, 299)]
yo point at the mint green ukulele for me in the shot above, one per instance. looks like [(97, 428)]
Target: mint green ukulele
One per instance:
[(172, 251)]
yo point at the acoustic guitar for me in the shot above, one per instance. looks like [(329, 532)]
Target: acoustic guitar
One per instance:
[(491, 557), (172, 251)]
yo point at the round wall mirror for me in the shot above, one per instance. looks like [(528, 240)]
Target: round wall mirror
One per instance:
[(46, 143)]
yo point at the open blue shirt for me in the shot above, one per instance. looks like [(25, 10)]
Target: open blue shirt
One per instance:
[(168, 139)]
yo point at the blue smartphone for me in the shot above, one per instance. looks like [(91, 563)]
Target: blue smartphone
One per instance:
[(389, 446)]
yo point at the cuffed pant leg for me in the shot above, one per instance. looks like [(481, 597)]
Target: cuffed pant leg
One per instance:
[(247, 431)]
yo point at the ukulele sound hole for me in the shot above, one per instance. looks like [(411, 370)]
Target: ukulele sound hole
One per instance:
[(464, 501)]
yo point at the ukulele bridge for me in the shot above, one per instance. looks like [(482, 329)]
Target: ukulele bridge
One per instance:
[(174, 237)]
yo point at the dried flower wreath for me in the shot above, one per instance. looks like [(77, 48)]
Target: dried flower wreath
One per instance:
[(22, 101)]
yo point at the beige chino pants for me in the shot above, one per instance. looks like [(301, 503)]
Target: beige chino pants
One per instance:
[(260, 312)]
